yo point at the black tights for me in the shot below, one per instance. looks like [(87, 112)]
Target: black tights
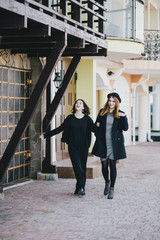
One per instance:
[(113, 170)]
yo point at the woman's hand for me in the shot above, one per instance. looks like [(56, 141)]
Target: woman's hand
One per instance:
[(42, 137), (98, 124), (122, 114)]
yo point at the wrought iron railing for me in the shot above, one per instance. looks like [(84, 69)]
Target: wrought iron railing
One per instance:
[(152, 45)]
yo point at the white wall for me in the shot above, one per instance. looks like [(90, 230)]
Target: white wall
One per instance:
[(122, 88)]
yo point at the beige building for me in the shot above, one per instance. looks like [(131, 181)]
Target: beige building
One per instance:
[(131, 68)]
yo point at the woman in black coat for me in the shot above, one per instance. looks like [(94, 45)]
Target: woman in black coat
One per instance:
[(77, 128), (109, 144)]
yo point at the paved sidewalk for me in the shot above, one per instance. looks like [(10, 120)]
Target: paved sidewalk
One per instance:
[(43, 210)]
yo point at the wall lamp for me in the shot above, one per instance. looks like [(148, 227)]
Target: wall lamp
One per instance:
[(110, 73), (58, 80)]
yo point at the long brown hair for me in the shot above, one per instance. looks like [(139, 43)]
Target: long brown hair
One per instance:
[(106, 108), (86, 109)]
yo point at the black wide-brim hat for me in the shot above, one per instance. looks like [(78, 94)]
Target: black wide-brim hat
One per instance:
[(114, 94)]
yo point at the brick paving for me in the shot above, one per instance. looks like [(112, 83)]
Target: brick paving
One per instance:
[(48, 210)]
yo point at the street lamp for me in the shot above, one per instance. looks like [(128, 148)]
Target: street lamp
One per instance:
[(58, 80)]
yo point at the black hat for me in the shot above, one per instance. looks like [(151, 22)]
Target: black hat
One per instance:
[(114, 94)]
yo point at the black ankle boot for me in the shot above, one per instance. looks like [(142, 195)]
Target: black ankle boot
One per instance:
[(111, 193), (106, 189), (81, 192)]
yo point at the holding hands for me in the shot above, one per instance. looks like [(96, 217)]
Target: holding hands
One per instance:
[(41, 137), (122, 114)]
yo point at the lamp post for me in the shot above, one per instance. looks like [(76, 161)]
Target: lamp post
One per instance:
[(58, 80)]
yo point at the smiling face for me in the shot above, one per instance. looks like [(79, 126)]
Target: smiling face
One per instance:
[(111, 103), (79, 106)]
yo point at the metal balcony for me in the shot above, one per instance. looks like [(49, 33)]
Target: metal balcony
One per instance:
[(152, 45)]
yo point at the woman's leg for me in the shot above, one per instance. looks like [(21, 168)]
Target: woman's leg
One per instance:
[(84, 156), (113, 175), (75, 157), (105, 173), (113, 172), (105, 170)]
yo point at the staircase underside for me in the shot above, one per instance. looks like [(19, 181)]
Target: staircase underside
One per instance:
[(32, 28)]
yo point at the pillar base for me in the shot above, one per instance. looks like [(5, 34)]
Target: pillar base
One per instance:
[(142, 136), (47, 176), (47, 167), (1, 196)]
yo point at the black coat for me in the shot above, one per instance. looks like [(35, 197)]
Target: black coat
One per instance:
[(119, 125), (65, 128)]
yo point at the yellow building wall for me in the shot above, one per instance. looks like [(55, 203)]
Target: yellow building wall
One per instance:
[(102, 98), (86, 84)]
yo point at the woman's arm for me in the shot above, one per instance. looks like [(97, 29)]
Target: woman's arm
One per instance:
[(124, 123), (97, 123), (92, 125), (54, 131)]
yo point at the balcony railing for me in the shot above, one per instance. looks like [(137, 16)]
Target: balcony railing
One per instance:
[(125, 19), (152, 44), (86, 13), (33, 27)]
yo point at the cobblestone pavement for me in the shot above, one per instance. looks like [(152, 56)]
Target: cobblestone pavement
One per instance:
[(48, 210)]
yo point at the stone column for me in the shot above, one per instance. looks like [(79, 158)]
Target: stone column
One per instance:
[(143, 117), (35, 125), (156, 107)]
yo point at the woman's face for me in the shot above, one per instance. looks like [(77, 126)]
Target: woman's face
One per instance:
[(111, 103), (79, 106)]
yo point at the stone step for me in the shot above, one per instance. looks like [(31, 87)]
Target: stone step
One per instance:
[(65, 170)]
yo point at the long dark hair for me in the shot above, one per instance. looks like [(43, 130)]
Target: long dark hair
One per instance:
[(86, 109), (106, 108)]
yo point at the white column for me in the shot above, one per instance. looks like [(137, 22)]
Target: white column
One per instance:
[(156, 107), (143, 118), (53, 145)]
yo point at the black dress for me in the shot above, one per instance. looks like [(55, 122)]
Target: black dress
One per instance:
[(77, 134)]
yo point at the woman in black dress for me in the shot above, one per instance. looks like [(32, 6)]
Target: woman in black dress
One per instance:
[(109, 144), (77, 128)]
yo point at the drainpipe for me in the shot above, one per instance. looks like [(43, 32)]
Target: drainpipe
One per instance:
[(148, 15), (134, 106), (133, 19)]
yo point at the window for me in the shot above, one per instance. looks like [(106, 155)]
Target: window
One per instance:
[(14, 92)]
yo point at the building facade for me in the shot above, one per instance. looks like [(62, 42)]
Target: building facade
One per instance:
[(120, 54)]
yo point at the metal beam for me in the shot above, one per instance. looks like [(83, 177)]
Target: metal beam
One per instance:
[(67, 78), (22, 46), (101, 52), (91, 48), (76, 43), (11, 21), (31, 106), (41, 31)]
